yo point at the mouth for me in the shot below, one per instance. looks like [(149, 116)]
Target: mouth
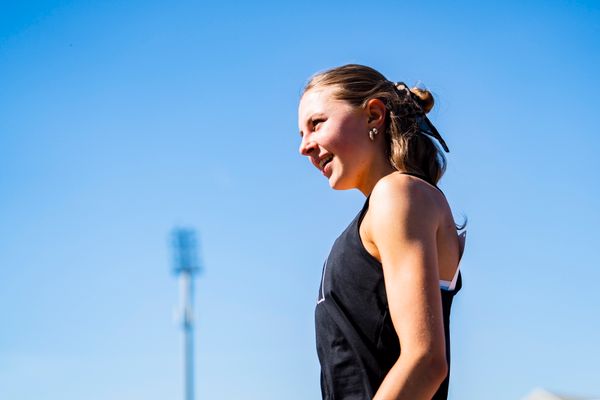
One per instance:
[(326, 160)]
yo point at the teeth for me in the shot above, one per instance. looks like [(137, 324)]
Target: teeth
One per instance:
[(325, 161)]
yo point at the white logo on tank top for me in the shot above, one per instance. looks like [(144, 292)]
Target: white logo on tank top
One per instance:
[(321, 297)]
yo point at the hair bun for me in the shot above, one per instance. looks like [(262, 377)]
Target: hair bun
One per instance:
[(424, 98)]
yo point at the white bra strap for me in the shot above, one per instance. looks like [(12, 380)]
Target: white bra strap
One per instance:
[(450, 285)]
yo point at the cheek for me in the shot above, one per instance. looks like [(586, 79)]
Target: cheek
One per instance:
[(354, 128), (351, 136)]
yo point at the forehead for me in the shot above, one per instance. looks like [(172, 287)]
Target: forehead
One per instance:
[(317, 100)]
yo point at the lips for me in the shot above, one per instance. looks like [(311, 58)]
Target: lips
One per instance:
[(324, 161)]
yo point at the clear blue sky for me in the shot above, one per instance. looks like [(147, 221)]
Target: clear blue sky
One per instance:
[(120, 120)]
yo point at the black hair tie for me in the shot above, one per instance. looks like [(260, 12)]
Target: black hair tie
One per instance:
[(424, 124)]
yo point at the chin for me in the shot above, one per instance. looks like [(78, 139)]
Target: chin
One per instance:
[(338, 184)]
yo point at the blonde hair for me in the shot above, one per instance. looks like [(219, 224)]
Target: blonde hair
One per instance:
[(408, 149)]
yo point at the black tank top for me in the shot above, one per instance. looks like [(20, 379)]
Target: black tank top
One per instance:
[(356, 341)]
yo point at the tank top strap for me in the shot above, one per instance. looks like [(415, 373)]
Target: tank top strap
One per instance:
[(363, 210)]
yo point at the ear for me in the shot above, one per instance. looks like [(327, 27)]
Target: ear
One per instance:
[(376, 111)]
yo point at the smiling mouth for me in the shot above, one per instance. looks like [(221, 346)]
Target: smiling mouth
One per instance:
[(324, 162)]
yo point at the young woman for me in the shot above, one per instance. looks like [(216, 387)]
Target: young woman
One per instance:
[(382, 314)]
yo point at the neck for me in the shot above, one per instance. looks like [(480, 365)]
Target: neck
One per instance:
[(375, 172)]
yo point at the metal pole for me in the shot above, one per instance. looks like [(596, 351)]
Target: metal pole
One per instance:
[(186, 267), (188, 332)]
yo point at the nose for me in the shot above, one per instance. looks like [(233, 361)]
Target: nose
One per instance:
[(307, 146)]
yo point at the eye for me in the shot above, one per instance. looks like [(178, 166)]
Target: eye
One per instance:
[(316, 122)]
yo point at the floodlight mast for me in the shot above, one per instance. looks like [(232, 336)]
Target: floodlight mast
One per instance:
[(185, 267)]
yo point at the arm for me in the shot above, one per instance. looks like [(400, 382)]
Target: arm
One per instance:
[(404, 221)]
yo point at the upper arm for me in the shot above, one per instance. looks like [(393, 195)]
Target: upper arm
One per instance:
[(404, 221)]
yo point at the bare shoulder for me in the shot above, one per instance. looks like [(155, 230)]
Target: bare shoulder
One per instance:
[(402, 209), (407, 196)]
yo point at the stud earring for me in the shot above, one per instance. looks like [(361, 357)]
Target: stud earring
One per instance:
[(372, 134)]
